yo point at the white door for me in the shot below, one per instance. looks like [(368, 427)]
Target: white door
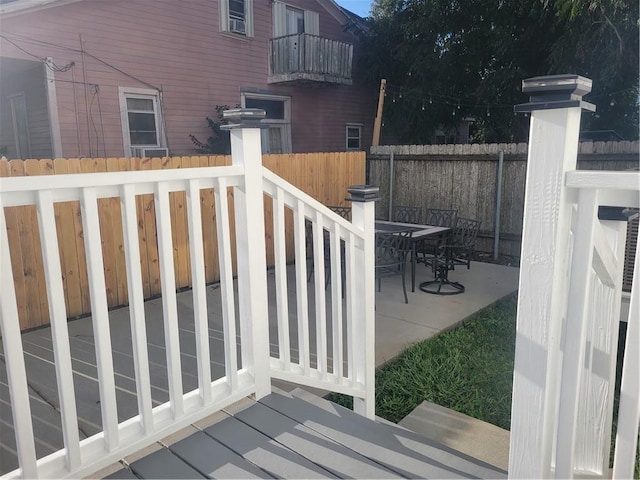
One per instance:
[(294, 26), (295, 21)]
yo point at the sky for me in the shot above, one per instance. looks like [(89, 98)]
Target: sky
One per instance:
[(360, 7)]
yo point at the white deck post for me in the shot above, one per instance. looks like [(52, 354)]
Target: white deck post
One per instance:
[(363, 216), (555, 106), (250, 242)]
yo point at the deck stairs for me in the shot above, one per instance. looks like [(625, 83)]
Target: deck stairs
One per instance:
[(300, 435), (479, 439)]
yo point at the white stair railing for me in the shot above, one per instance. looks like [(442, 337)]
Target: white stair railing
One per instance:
[(569, 301), (249, 375), (348, 365)]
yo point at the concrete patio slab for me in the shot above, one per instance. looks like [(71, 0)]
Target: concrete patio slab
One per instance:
[(399, 325)]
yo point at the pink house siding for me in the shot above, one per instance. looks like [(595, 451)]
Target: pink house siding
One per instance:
[(176, 48)]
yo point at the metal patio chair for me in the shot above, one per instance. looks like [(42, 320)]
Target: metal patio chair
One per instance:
[(457, 252), (464, 239), (426, 250), (391, 256), (344, 212)]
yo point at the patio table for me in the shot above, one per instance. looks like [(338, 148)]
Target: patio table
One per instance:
[(420, 232)]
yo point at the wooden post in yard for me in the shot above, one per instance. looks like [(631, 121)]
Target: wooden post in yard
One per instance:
[(378, 123)]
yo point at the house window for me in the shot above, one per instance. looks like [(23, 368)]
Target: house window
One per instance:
[(288, 20), (141, 119), (20, 125), (236, 16), (354, 135), (295, 20), (277, 138)]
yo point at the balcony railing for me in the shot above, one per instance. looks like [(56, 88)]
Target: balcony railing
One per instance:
[(303, 57)]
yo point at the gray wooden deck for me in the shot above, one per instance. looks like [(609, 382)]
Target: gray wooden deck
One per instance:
[(297, 435), (396, 325)]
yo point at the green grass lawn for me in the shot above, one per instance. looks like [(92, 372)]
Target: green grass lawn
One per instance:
[(468, 369)]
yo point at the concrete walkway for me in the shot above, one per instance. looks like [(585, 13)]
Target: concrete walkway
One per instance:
[(399, 325)]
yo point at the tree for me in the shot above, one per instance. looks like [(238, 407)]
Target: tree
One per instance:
[(447, 59), (600, 40)]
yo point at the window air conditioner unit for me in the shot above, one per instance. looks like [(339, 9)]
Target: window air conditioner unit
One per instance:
[(237, 26), (150, 152)]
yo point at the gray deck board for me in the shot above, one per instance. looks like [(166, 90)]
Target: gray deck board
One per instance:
[(401, 450), (214, 459), (266, 453), (341, 462), (288, 436), (163, 464), (122, 474)]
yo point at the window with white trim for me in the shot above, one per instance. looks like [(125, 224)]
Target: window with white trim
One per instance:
[(354, 136), (236, 16), (277, 138), (141, 119)]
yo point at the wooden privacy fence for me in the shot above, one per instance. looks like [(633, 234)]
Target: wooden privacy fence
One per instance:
[(324, 176), (464, 177)]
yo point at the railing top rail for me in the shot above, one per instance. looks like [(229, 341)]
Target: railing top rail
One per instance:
[(109, 179), (272, 178), (629, 180), (310, 35)]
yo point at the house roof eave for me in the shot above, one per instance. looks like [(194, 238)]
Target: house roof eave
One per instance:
[(338, 13), (19, 7)]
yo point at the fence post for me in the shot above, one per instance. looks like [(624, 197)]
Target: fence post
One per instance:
[(496, 237), (250, 243), (363, 210), (555, 107)]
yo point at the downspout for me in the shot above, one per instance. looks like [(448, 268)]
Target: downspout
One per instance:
[(391, 180), (52, 107), (86, 94)]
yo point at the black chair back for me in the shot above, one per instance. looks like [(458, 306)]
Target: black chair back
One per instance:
[(440, 217), (465, 234), (407, 214), (344, 212), (466, 231)]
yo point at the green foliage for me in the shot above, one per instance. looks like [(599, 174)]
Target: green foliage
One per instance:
[(599, 39), (452, 59), (218, 142)]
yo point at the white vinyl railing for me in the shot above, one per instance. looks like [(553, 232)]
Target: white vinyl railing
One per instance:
[(593, 319), (248, 308), (569, 304), (119, 438), (318, 365)]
